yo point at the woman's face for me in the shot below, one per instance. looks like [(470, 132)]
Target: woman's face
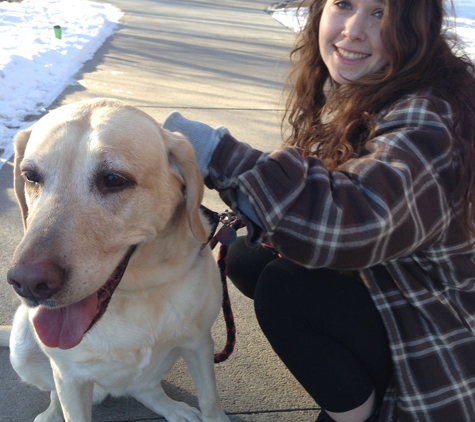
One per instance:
[(350, 38)]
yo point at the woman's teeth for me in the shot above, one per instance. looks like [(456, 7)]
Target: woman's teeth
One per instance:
[(351, 56)]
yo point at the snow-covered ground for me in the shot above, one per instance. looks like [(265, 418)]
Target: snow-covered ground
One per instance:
[(35, 66)]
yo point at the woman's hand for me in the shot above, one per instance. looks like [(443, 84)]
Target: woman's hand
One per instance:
[(203, 137)]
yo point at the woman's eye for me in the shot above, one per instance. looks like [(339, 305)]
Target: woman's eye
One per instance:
[(378, 14), (343, 5)]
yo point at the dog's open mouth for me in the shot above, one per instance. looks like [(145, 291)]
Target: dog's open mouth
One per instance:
[(65, 327)]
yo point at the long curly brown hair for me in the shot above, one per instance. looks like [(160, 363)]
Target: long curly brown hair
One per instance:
[(331, 121)]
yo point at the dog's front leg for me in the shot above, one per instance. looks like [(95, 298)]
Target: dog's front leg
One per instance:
[(32, 364), (199, 359), (75, 396)]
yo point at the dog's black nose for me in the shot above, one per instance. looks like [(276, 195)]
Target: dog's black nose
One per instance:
[(36, 280)]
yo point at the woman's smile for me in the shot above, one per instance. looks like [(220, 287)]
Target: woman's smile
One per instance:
[(350, 55)]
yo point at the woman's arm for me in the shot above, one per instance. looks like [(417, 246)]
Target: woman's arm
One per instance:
[(387, 204)]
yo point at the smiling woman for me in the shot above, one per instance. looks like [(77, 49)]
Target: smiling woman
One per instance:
[(367, 294), (350, 39)]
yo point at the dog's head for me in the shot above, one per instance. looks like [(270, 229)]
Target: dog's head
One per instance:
[(96, 181)]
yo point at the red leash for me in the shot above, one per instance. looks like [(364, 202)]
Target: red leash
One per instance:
[(226, 235)]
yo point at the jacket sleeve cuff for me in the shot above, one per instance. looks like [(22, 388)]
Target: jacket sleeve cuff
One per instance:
[(230, 159)]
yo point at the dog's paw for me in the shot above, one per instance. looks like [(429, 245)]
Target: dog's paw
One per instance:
[(222, 418), (181, 412), (49, 417), (54, 412)]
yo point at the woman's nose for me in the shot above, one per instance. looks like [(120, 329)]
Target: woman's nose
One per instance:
[(355, 27)]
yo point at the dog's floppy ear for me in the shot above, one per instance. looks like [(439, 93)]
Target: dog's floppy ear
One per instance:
[(20, 142), (183, 157)]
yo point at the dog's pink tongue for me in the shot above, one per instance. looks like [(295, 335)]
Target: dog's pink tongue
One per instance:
[(65, 327)]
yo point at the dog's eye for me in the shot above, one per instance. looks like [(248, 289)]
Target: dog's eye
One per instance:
[(115, 181), (109, 181), (31, 176)]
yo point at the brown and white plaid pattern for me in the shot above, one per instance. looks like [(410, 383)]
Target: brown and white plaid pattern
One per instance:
[(387, 215)]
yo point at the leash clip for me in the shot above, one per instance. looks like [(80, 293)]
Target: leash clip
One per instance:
[(227, 217), (226, 234)]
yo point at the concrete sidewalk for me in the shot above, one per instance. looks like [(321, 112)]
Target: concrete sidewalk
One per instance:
[(223, 63)]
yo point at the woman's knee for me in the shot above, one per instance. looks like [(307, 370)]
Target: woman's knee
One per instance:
[(292, 294), (277, 295), (244, 265)]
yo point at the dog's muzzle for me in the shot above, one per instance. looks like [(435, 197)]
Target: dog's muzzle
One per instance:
[(65, 326)]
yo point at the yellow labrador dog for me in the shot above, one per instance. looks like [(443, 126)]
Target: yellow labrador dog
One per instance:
[(114, 282)]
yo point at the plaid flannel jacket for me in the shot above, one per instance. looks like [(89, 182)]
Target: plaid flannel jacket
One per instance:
[(387, 215)]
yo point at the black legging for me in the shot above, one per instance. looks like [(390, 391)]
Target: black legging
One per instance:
[(323, 325)]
